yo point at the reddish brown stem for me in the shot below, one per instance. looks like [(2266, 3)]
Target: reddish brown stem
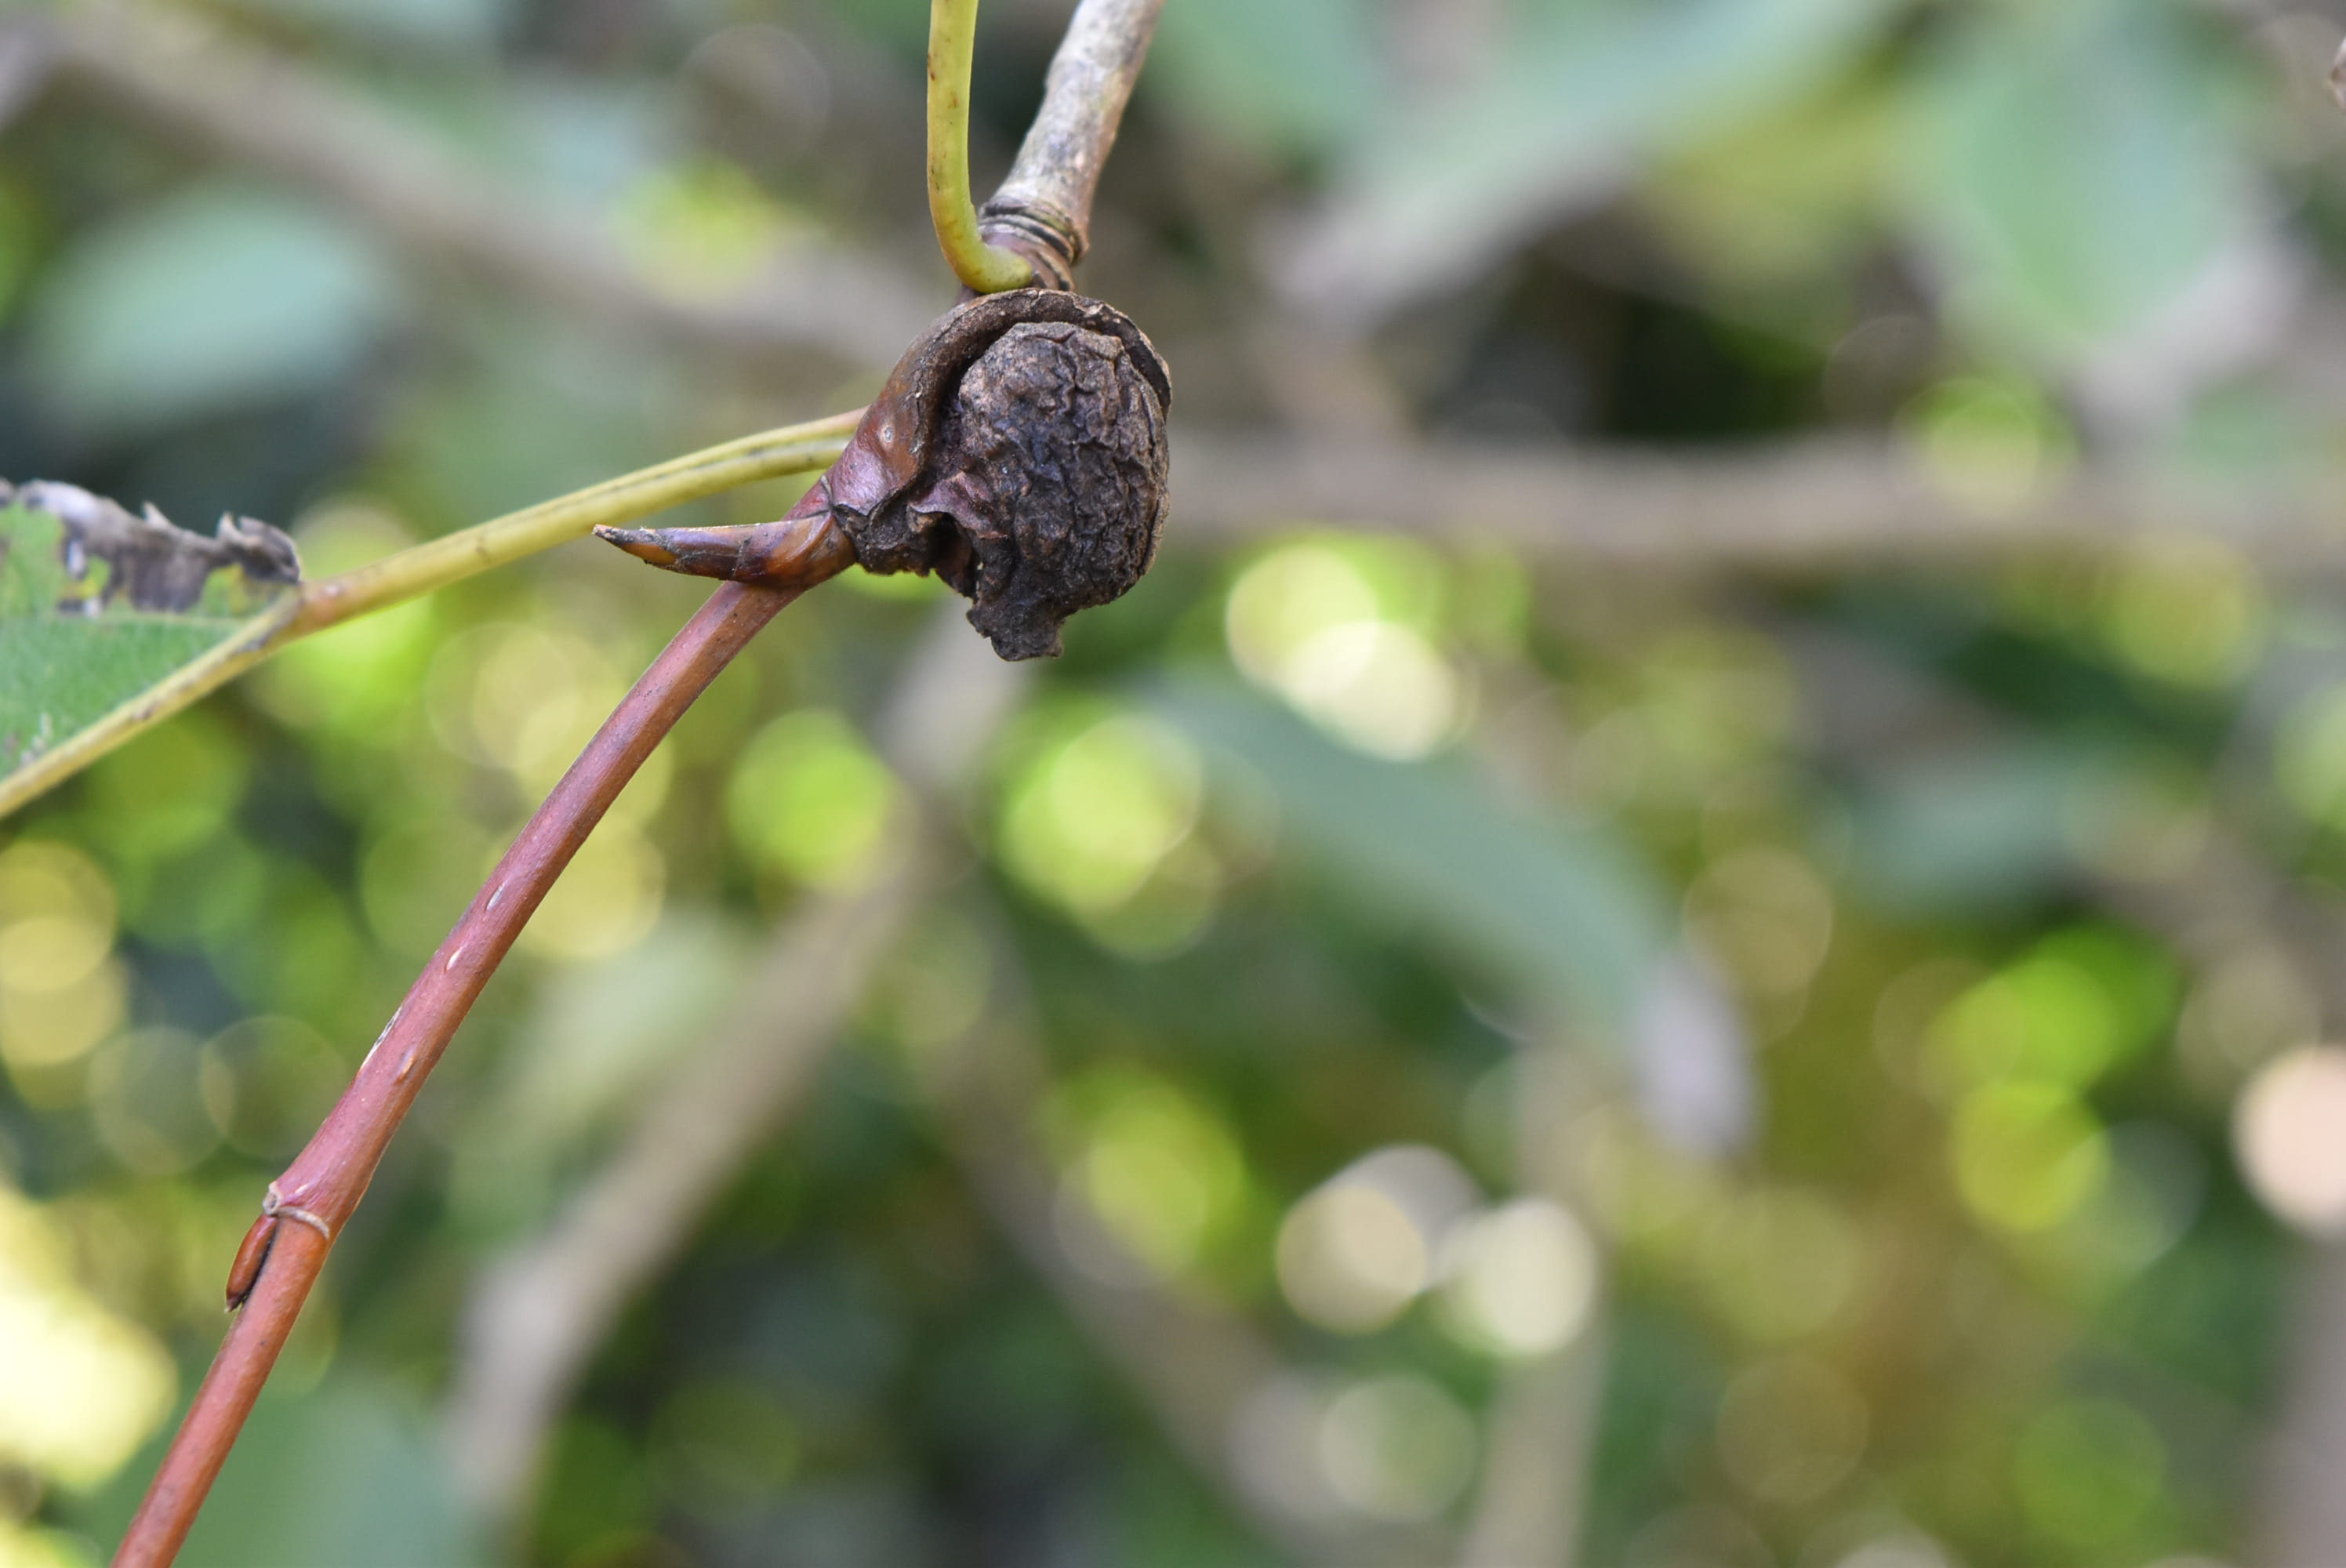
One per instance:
[(307, 1206)]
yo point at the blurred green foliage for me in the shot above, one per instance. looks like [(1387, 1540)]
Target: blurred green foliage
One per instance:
[(1864, 1022)]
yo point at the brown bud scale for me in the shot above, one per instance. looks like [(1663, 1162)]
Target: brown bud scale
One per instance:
[(1018, 451), (1050, 488)]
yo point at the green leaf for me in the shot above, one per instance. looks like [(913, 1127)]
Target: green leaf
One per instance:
[(1555, 909), (1299, 76), (98, 607), (1981, 831), (221, 296), (2077, 176), (1555, 118)]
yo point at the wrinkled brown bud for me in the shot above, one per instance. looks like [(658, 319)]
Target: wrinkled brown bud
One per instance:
[(1018, 451)]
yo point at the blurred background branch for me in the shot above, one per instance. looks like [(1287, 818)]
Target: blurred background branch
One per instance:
[(1812, 506), (1531, 1510)]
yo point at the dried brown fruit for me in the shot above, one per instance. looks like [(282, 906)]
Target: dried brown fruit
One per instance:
[(1018, 451)]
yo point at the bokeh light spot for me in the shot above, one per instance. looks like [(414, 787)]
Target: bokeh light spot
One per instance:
[(1358, 1249), (1397, 1448), (146, 1101), (1780, 1262), (61, 992), (268, 1082), (2088, 1472), (2027, 1155), (1335, 628), (416, 875), (1090, 821), (1765, 916), (45, 1029), (1350, 1259), (169, 790), (1898, 1551), (701, 230), (79, 1389), (1790, 1430), (1520, 1280), (2185, 608), (2310, 757), (1987, 445), (2290, 1131), (2244, 1009), (1157, 1168), (606, 902), (2078, 1004), (811, 801), (351, 677)]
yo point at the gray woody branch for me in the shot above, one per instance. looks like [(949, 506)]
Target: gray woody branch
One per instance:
[(1044, 209), (1809, 506)]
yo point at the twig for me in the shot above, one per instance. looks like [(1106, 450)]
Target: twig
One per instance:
[(1538, 1445), (538, 1314), (307, 1206), (433, 564), (2303, 1512), (1818, 505), (263, 110), (1044, 209), (771, 455), (1540, 1438), (24, 65), (984, 269)]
